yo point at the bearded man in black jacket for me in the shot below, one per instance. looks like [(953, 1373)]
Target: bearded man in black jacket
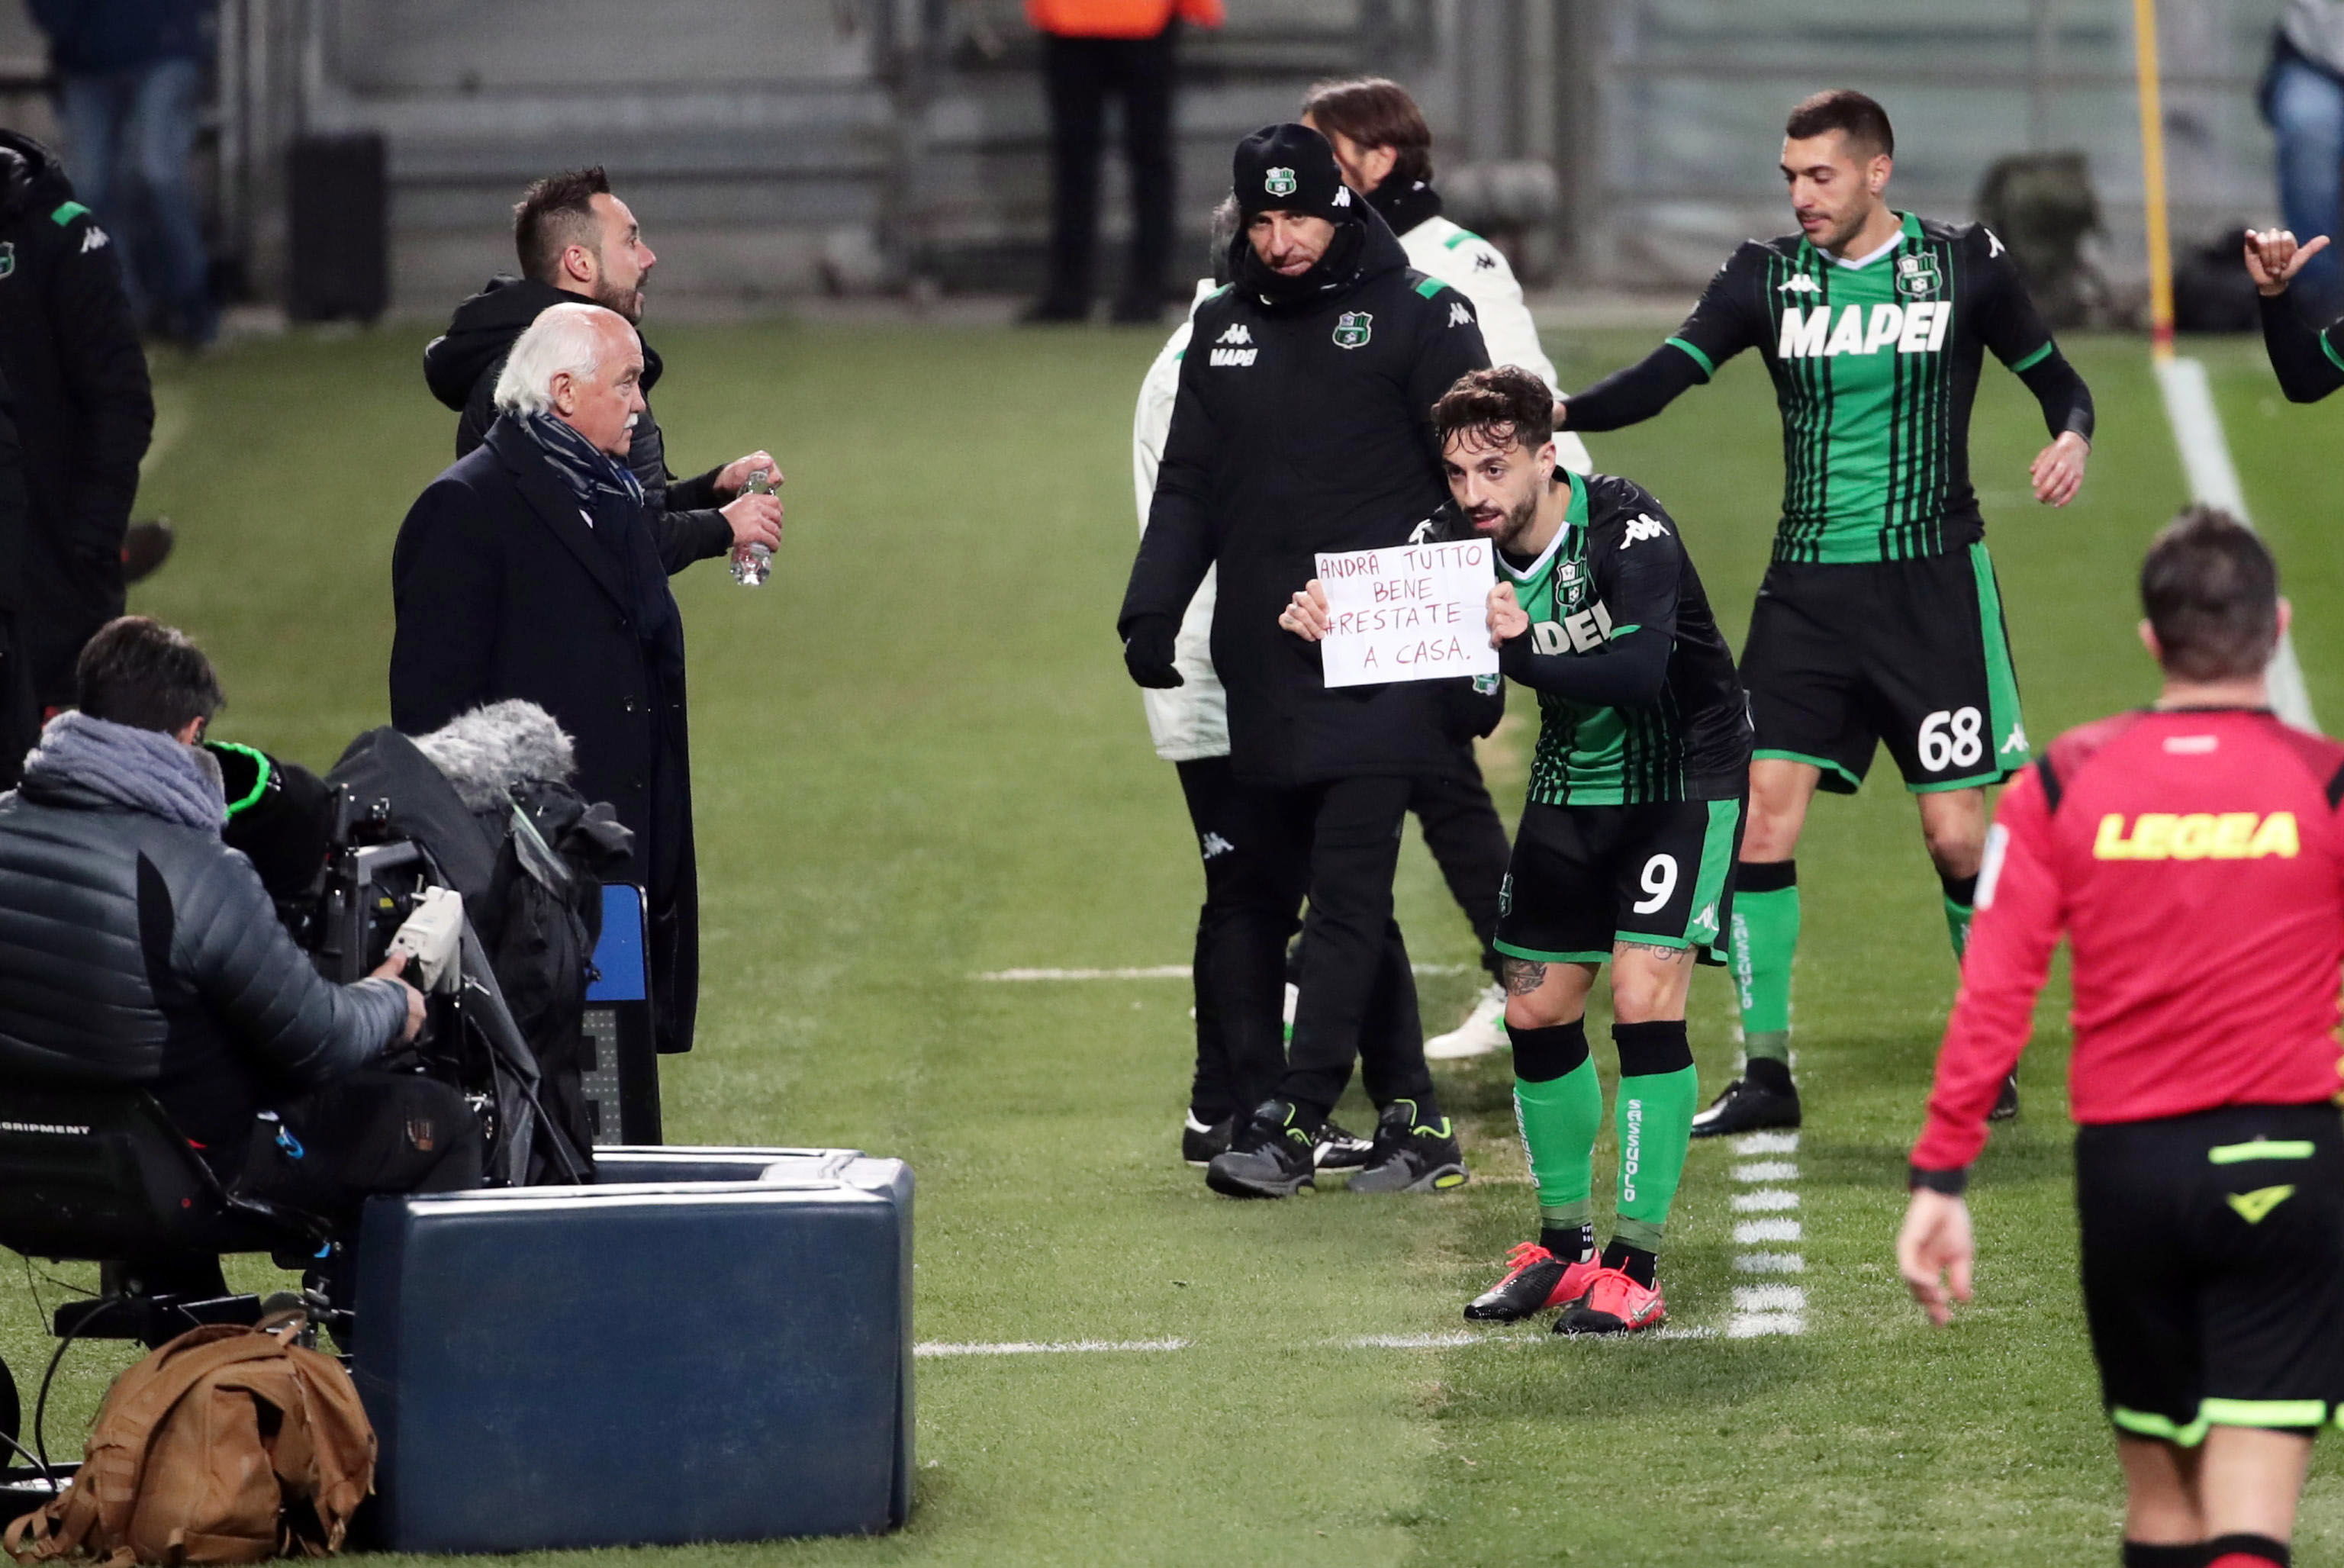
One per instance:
[(575, 241), (1302, 424)]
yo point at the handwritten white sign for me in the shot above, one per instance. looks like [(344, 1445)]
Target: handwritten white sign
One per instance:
[(1413, 613)]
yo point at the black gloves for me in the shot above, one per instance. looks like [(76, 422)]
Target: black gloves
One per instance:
[(1147, 651)]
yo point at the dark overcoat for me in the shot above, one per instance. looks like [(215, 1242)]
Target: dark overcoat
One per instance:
[(503, 589)]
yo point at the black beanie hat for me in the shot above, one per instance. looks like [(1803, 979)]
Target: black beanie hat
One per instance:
[(1290, 168)]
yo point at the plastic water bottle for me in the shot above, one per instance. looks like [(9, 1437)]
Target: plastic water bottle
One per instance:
[(752, 566)]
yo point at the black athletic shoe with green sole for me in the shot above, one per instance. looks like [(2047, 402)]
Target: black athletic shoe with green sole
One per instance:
[(1272, 1156), (1199, 1142), (1409, 1157), (1747, 1106)]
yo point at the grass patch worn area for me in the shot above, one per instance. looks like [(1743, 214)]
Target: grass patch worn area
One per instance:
[(917, 758)]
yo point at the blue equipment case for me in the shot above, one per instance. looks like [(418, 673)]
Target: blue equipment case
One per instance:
[(710, 1344)]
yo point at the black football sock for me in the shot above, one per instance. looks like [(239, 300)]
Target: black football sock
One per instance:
[(2162, 1554), (1634, 1261), (1571, 1243), (2247, 1551)]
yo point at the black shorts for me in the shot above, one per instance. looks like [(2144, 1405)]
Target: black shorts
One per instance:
[(1583, 877), (2214, 1269), (1841, 658)]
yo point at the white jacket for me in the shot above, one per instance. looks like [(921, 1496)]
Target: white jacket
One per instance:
[(1191, 721)]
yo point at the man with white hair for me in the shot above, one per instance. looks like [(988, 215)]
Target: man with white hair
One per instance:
[(530, 569)]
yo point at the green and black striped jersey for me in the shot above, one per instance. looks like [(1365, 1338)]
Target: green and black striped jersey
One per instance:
[(1874, 366), (1638, 700)]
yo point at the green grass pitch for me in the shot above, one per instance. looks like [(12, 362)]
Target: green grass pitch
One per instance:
[(917, 758)]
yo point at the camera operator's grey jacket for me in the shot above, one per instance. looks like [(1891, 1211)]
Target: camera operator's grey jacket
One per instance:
[(139, 949)]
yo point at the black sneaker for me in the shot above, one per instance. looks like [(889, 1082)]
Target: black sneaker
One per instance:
[(1338, 1150), (1747, 1106), (1270, 1157), (2006, 1104), (1199, 1142), (1409, 1157)]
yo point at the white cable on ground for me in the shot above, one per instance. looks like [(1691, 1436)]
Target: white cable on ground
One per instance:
[(2214, 481)]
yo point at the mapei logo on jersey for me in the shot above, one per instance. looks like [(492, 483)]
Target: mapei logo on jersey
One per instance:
[(1917, 275), (1801, 283), (1644, 525), (1352, 328), (1235, 346), (1458, 315), (2198, 835), (1581, 634), (93, 239), (1280, 182), (1821, 333)]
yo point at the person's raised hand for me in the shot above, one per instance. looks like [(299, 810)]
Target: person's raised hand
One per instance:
[(756, 520), (736, 473), (1934, 1250), (1306, 614), (2058, 469), (395, 968), (2274, 258), (1561, 413), (1508, 619)]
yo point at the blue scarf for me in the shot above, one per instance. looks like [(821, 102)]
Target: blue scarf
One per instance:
[(139, 770), (583, 465)]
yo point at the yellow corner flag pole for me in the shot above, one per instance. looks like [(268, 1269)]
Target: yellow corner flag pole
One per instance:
[(2152, 177)]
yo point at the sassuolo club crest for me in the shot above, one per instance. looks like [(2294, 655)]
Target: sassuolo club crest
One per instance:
[(1352, 328), (1280, 182), (1917, 275), (7, 256)]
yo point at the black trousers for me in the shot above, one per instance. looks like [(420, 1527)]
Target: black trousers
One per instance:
[(1080, 75), (1265, 852), (1468, 842)]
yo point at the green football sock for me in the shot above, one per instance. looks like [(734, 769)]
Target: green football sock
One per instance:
[(1960, 897), (1658, 1090), (1763, 938), (1560, 1120)]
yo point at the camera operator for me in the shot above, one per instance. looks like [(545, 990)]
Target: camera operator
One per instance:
[(147, 952)]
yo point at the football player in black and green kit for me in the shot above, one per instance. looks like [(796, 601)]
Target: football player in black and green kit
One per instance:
[(1879, 621), (1625, 851)]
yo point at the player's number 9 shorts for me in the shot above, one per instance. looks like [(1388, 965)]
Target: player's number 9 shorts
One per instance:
[(1583, 877)]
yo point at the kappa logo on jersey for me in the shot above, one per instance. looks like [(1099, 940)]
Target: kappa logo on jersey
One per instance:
[(1342, 196), (1226, 351), (1458, 315), (2016, 744), (1801, 283), (1917, 275), (1485, 261), (1823, 333), (2198, 835), (1581, 634), (1703, 925), (1352, 328), (1213, 844), (1993, 243), (1280, 182), (1643, 526)]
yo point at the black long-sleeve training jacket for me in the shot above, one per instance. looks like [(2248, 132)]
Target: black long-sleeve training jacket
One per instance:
[(1297, 430)]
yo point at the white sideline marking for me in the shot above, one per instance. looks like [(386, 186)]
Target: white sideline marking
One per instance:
[(1753, 1325), (1415, 1341), (1033, 1348), (1767, 1170), (1767, 1143), (2214, 481), (1156, 972), (1770, 1263), (1769, 1299), (1750, 1231), (1773, 1200)]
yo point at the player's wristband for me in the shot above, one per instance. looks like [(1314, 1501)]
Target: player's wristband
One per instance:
[(1952, 1183)]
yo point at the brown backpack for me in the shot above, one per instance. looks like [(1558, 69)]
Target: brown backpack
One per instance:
[(227, 1446)]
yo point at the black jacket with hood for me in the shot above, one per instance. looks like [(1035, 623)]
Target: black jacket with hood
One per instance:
[(83, 407), (462, 365), (1300, 428)]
